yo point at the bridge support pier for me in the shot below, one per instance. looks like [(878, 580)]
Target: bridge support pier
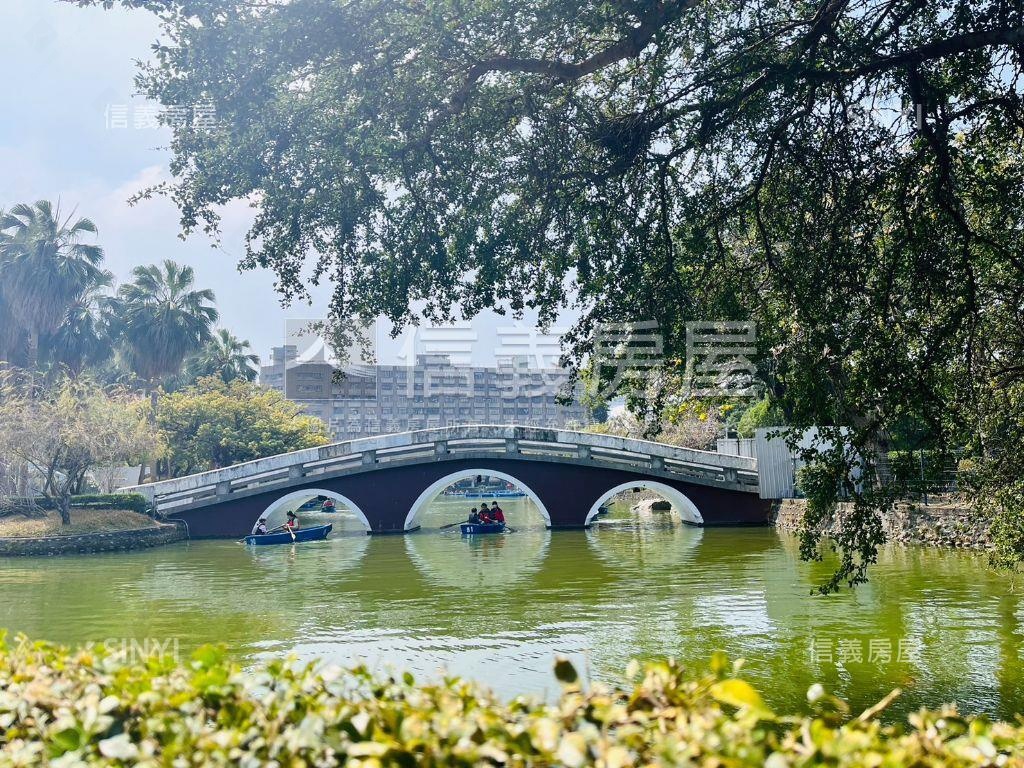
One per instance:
[(392, 531)]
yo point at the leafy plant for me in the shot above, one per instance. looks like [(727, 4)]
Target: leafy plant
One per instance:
[(216, 424), (107, 706)]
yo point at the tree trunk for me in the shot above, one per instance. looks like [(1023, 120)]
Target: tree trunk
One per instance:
[(32, 362), (23, 489), (33, 352), (154, 466), (64, 506)]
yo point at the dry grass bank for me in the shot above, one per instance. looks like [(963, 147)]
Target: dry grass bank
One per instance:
[(82, 521)]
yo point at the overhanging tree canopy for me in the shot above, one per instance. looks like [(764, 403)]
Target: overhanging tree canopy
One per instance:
[(847, 174)]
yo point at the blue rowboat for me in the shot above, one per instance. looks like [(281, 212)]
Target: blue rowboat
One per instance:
[(472, 529), (303, 534)]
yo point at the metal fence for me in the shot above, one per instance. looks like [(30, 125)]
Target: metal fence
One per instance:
[(916, 474)]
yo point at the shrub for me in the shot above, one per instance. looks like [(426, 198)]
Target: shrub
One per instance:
[(93, 706), (28, 506), (763, 413)]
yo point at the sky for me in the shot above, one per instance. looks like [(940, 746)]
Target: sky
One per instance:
[(73, 130)]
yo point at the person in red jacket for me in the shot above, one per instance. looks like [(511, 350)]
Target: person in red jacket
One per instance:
[(497, 515), (293, 522)]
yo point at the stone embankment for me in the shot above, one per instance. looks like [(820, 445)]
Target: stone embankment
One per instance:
[(86, 543), (650, 506), (947, 522)]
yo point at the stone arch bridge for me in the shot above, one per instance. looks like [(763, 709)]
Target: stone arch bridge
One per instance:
[(388, 480)]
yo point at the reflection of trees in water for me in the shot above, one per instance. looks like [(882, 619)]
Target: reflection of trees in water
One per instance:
[(477, 562)]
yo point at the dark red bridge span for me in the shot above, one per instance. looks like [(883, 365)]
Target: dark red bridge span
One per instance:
[(387, 481)]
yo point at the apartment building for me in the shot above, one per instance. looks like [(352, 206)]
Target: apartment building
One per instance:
[(365, 400)]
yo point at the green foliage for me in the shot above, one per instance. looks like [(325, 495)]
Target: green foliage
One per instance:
[(95, 706), (84, 336), (830, 476), (997, 472), (848, 176), (44, 270), (216, 424), (226, 357), (57, 311), (763, 413), (163, 318), (130, 501)]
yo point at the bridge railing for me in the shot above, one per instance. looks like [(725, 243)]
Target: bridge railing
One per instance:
[(702, 467)]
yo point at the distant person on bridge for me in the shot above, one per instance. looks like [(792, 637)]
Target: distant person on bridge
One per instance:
[(293, 521), (497, 515)]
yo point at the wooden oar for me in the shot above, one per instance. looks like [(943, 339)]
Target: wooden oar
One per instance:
[(451, 525)]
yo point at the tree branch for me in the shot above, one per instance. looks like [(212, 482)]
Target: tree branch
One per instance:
[(628, 47)]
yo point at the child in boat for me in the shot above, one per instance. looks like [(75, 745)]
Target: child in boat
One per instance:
[(293, 521), (261, 527), (474, 516)]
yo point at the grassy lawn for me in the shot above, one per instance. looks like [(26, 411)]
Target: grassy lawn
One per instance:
[(82, 521)]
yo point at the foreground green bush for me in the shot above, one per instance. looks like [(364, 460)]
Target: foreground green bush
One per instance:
[(90, 707)]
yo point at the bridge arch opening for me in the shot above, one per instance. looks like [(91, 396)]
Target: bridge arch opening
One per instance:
[(680, 502), (435, 488), (312, 493)]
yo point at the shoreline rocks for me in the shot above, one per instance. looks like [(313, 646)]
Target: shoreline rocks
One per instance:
[(92, 543), (948, 523), (650, 506)]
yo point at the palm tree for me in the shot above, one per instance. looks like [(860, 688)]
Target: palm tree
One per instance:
[(12, 335), (163, 319), (225, 356), (44, 267), (84, 337)]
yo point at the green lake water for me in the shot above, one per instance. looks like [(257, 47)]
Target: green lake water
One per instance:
[(940, 625)]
